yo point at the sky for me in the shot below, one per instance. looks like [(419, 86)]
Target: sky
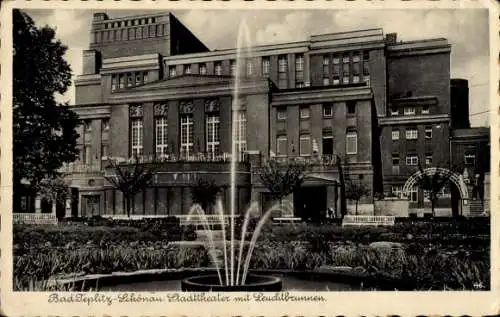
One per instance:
[(466, 30)]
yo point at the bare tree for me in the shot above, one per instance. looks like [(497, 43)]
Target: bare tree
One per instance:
[(343, 207), (281, 178), (432, 184), (355, 191), (131, 179)]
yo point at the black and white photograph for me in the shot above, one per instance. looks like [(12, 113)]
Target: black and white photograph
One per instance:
[(262, 151)]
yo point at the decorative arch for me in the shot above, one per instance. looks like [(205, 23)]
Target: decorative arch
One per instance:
[(455, 178)]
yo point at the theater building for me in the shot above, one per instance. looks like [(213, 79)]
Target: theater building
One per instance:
[(151, 89)]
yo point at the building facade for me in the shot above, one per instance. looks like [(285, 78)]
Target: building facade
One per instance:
[(151, 89)]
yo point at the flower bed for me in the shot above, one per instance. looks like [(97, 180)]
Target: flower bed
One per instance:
[(453, 232), (37, 266)]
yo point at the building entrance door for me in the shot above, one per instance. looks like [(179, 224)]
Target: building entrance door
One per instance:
[(310, 203), (91, 205)]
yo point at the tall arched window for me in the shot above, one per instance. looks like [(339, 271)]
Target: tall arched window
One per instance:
[(352, 142)]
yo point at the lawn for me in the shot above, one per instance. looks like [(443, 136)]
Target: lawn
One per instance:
[(437, 255)]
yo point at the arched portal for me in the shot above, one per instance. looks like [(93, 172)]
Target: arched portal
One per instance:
[(455, 178)]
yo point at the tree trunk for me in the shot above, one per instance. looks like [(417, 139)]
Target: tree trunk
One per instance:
[(127, 206), (343, 206), (356, 213), (433, 201)]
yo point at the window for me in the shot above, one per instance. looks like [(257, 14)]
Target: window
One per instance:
[(203, 69), (326, 65), (327, 110), (218, 68), (233, 68), (87, 125), (172, 71), (138, 78), (187, 69), (137, 139), (395, 159), (326, 81), (408, 111), (428, 159), (213, 135), (412, 160), (397, 190), (241, 133), (428, 132), (105, 124), (282, 64), (355, 79), (114, 80), (351, 107), (266, 65), (425, 110), (304, 145), (411, 134), (336, 80), (299, 62), (186, 135), (327, 144), (282, 146), (366, 55), (121, 82), (304, 112), (394, 111), (395, 134), (413, 193), (145, 77), (104, 152), (299, 84), (282, 114), (355, 65), (130, 80), (249, 68), (346, 69), (352, 142), (469, 158), (161, 136)]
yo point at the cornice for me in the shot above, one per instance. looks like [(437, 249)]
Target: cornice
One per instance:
[(97, 111), (412, 51), (439, 118), (168, 91), (83, 80), (320, 96)]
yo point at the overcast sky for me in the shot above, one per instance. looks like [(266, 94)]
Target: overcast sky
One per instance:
[(466, 30)]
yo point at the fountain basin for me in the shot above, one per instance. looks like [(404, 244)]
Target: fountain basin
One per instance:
[(253, 283)]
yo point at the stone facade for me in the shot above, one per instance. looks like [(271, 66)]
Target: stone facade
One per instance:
[(343, 94)]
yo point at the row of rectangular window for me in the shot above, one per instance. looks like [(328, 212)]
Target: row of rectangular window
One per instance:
[(305, 112), (305, 145), (409, 111), (212, 124), (120, 81), (411, 133), (351, 72), (132, 22), (411, 160), (129, 34)]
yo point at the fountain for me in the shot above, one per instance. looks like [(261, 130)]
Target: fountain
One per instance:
[(232, 281)]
